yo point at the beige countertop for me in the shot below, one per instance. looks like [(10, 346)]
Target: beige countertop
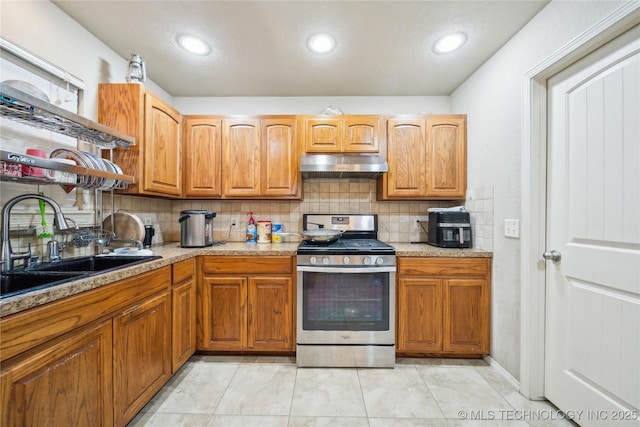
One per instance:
[(425, 250), (172, 253)]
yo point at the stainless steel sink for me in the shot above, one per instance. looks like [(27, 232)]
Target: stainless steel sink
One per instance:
[(94, 263), (56, 273)]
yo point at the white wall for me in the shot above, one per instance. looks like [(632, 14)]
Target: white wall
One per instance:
[(492, 99), (315, 105), (43, 29)]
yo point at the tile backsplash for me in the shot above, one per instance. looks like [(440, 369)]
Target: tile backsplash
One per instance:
[(480, 204), (397, 221)]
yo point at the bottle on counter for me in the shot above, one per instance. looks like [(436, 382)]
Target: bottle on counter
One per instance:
[(264, 231), (251, 229)]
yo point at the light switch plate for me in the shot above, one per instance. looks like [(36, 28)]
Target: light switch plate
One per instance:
[(512, 228)]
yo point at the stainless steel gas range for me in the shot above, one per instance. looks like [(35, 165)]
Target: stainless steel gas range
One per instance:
[(346, 296)]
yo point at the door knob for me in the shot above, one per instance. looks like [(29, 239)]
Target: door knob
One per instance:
[(552, 255)]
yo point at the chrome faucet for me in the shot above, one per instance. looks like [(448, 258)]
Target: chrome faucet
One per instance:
[(8, 256)]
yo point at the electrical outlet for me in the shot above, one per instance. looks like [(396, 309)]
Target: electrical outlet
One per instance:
[(512, 228), (421, 227), (234, 223)]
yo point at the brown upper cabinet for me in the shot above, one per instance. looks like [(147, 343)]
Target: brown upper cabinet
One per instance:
[(241, 157), (202, 142), (257, 157), (260, 158), (427, 158), (155, 161), (342, 134)]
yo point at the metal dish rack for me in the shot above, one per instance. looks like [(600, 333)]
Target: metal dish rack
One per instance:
[(85, 236), (26, 109)]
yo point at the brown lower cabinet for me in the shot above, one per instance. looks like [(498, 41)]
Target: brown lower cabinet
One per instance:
[(183, 313), (246, 304), (142, 355), (94, 358), (65, 383), (443, 306)]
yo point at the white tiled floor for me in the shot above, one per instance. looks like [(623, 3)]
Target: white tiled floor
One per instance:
[(212, 391)]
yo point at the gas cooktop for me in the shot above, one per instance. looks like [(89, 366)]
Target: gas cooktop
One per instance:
[(359, 237)]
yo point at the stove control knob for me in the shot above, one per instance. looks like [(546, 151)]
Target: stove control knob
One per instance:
[(366, 260), (313, 260), (379, 260), (325, 260), (346, 260)]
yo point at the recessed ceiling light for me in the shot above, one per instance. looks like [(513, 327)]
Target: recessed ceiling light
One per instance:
[(193, 44), (449, 43), (321, 43)]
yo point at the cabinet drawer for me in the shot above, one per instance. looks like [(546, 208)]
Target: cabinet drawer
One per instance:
[(448, 267), (247, 265), (183, 270)]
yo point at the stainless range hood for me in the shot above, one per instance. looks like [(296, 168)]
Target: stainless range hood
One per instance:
[(342, 165)]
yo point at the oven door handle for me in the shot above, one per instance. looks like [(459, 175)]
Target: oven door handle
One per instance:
[(347, 269)]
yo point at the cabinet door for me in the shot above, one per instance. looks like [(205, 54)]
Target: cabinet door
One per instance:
[(323, 135), (121, 107), (466, 316), (68, 383), (361, 134), (270, 324), (162, 151), (241, 158), (183, 313), (446, 157), (420, 315), (142, 355), (223, 325), (406, 154), (280, 171), (202, 141)]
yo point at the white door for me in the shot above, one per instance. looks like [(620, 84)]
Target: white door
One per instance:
[(592, 329)]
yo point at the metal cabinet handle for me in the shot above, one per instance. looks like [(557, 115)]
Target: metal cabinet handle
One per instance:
[(552, 255)]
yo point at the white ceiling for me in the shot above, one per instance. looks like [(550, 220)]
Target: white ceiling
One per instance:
[(259, 47)]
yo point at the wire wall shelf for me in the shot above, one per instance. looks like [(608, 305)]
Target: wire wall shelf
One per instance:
[(27, 109)]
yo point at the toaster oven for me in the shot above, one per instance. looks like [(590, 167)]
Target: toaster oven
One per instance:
[(450, 229)]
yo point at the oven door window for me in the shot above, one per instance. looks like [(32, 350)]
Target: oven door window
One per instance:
[(345, 302)]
